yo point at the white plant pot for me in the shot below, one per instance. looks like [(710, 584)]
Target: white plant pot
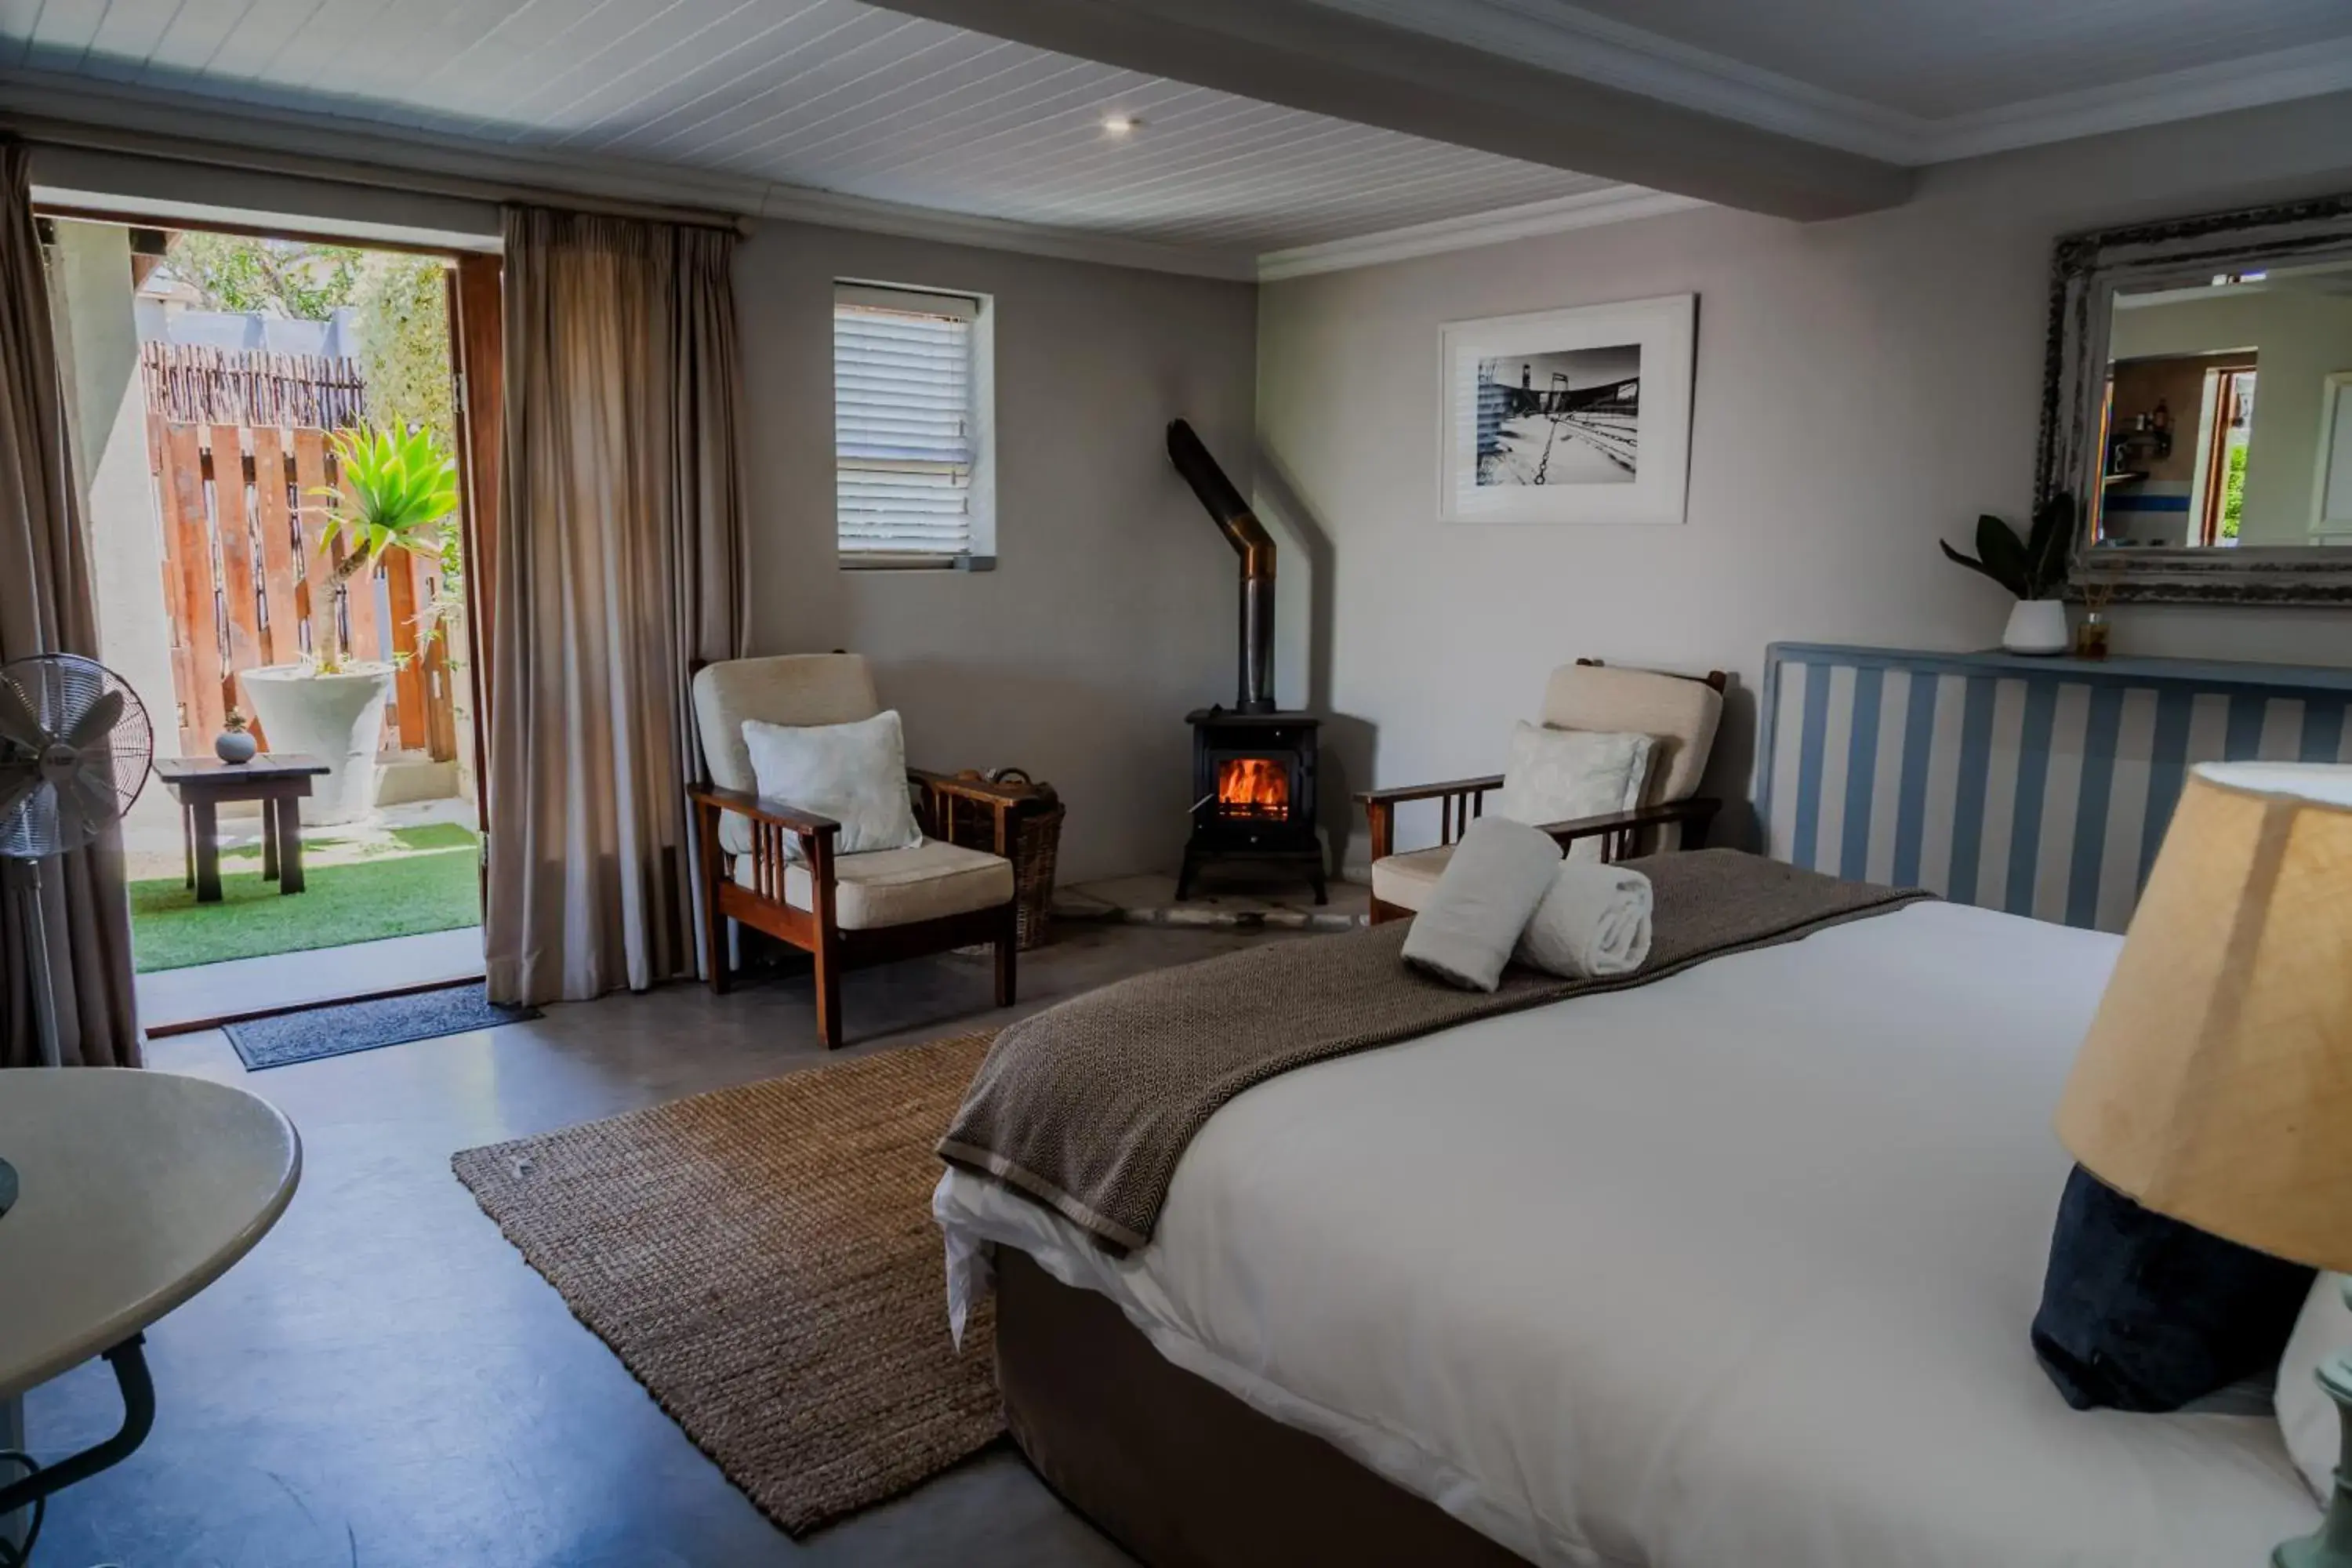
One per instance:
[(2037, 627), (338, 719)]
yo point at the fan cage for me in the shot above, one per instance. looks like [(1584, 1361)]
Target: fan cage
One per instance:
[(59, 691)]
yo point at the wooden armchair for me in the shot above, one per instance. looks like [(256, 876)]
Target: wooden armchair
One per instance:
[(844, 910), (1679, 711)]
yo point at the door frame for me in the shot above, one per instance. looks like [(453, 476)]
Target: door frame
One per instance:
[(473, 285)]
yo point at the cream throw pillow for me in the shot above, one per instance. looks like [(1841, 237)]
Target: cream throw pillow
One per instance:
[(1558, 775), (855, 773), (2307, 1416)]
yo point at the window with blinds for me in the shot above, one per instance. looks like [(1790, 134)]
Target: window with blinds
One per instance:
[(909, 427)]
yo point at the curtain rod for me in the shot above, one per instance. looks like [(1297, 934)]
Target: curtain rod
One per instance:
[(41, 131)]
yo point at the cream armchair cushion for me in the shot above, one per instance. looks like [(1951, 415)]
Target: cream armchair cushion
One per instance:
[(1679, 715), (899, 887), (1406, 881), (788, 689)]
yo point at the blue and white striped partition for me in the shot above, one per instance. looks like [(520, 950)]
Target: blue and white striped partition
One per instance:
[(2039, 786)]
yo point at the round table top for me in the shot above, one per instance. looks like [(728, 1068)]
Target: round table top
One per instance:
[(136, 1190)]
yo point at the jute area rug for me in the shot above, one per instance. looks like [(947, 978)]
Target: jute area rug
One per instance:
[(764, 1260)]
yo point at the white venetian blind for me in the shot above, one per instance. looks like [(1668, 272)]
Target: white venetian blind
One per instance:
[(903, 422)]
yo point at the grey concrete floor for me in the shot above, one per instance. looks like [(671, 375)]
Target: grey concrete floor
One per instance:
[(384, 1382)]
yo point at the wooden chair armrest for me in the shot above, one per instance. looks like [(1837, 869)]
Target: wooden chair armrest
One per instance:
[(759, 808), (1428, 792), (1694, 814), (769, 861), (976, 790), (1458, 802), (942, 791)]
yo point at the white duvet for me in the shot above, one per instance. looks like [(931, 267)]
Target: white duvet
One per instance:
[(1732, 1270)]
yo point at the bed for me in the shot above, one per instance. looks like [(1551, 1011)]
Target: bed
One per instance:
[(1733, 1268)]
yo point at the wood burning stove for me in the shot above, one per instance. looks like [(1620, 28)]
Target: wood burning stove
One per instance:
[(1252, 765), (1253, 793)]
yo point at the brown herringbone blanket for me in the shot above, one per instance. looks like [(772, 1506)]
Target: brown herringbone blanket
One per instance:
[(1087, 1106)]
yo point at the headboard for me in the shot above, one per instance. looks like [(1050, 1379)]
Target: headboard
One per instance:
[(2042, 786)]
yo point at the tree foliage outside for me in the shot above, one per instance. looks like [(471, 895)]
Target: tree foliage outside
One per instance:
[(404, 343), (401, 310), (293, 278), (2233, 488)]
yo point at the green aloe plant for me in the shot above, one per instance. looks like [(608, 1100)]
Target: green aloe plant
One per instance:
[(399, 491), (2032, 567)]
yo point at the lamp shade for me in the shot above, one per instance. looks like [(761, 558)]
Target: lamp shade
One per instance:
[(2215, 1085)]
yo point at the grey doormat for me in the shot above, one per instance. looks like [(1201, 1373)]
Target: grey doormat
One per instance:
[(347, 1027)]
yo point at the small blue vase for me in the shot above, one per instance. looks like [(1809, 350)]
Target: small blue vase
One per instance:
[(234, 745)]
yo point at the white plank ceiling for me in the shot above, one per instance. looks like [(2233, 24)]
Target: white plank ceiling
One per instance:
[(830, 95)]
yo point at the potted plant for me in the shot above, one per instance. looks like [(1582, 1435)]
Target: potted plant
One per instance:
[(2033, 568), (398, 491)]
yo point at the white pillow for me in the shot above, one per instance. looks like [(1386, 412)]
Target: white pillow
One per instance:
[(1558, 775), (2306, 1415), (855, 773)]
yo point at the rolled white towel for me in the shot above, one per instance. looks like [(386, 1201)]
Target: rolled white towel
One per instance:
[(1464, 932), (1593, 922)]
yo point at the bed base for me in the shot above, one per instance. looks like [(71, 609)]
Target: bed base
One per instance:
[(1181, 1473)]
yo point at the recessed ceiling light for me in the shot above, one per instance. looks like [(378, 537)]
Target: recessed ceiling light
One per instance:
[(1121, 124)]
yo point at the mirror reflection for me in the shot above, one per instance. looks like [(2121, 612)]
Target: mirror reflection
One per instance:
[(2228, 420)]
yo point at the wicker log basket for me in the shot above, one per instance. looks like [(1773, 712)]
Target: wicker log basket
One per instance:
[(1034, 826)]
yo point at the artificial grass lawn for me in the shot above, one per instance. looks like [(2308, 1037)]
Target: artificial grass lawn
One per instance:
[(358, 888)]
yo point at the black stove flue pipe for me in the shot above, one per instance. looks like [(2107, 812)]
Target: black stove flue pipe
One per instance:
[(1253, 544)]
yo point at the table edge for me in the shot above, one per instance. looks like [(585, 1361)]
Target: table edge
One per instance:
[(145, 1312)]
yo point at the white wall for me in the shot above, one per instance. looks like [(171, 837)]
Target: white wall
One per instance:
[(1111, 612), (97, 347), (2301, 338), (1863, 387)]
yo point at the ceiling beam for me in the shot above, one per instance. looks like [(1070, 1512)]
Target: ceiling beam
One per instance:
[(1311, 56)]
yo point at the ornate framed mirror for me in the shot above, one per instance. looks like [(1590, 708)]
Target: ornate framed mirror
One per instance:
[(2197, 403)]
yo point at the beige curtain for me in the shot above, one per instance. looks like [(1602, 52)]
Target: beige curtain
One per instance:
[(47, 606), (618, 567)]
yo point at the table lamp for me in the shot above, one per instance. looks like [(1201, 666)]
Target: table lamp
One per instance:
[(2215, 1085)]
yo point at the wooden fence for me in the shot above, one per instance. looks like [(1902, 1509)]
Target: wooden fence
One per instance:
[(246, 560), (199, 385)]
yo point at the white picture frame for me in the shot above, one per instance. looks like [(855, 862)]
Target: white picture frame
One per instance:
[(1576, 416)]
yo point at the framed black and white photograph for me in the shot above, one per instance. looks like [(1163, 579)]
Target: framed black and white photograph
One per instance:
[(1574, 416)]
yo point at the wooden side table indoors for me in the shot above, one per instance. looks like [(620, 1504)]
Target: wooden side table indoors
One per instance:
[(280, 780)]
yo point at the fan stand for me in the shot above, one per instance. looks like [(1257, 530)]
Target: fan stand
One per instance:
[(24, 878), (25, 875)]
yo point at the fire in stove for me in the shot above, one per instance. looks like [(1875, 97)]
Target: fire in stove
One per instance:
[(1256, 788)]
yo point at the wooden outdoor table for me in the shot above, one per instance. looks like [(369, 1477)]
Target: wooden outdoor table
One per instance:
[(280, 780)]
